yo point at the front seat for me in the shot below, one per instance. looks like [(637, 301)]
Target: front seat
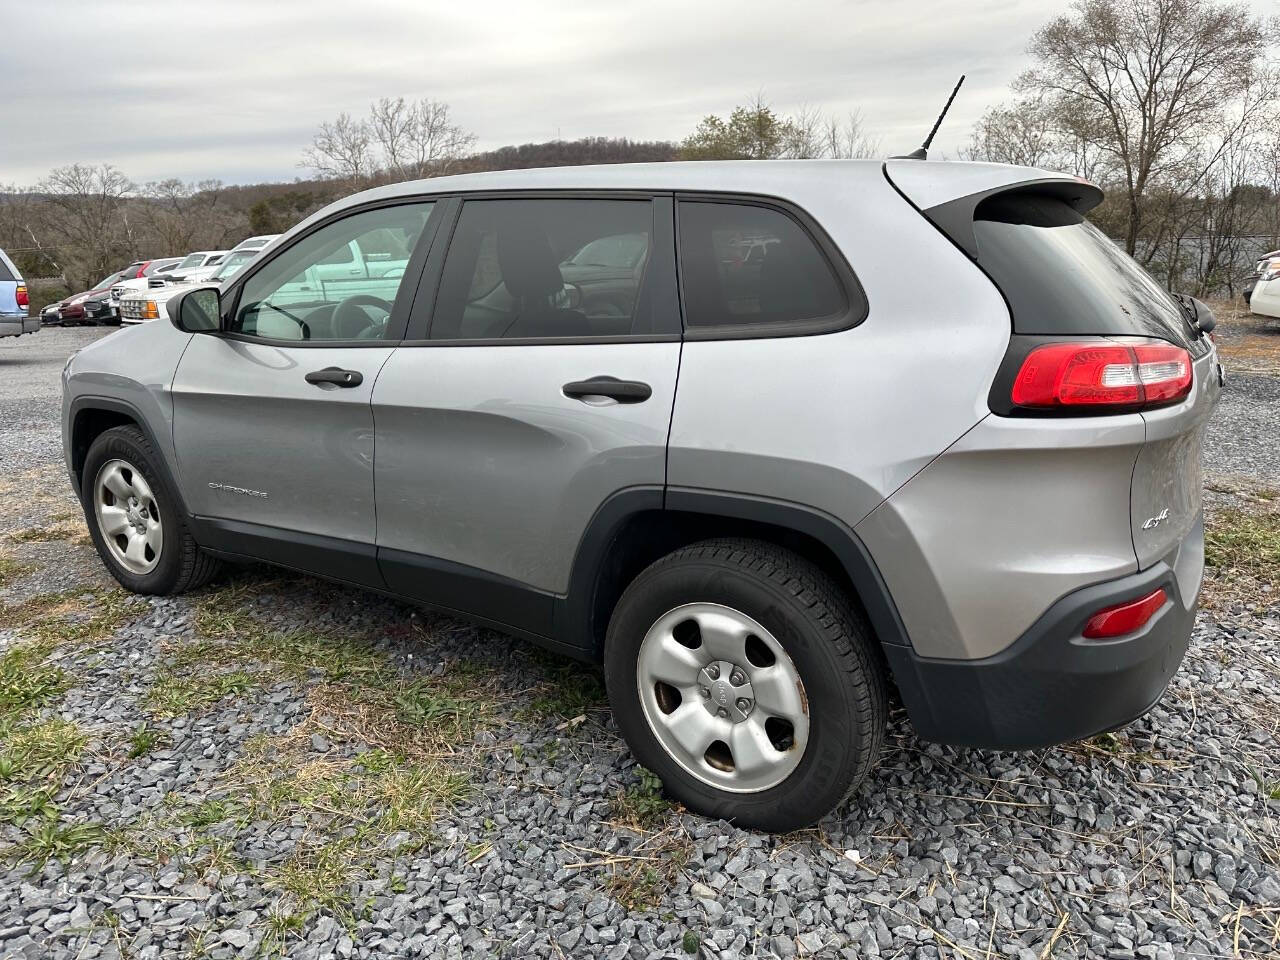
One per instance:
[(531, 274)]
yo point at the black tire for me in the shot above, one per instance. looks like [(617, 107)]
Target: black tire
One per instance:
[(828, 642), (182, 564)]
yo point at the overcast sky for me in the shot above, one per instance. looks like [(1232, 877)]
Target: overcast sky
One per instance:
[(234, 90)]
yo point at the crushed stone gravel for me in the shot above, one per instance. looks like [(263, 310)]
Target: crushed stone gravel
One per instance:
[(1158, 842)]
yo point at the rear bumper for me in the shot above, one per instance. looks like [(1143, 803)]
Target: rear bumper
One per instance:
[(1053, 685), (15, 325)]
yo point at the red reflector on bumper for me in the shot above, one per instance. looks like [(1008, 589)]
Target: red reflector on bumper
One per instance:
[(1125, 618)]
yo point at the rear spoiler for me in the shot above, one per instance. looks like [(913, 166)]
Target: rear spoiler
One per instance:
[(947, 192)]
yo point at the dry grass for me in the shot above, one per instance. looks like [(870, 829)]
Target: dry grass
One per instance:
[(1242, 548), (65, 526), (1247, 344)]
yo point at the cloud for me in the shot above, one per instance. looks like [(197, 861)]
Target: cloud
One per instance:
[(233, 90)]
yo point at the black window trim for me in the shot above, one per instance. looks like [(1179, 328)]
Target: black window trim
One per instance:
[(857, 307), (405, 296), (422, 316)]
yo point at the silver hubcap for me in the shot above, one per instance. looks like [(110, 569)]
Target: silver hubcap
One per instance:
[(723, 697), (128, 516)]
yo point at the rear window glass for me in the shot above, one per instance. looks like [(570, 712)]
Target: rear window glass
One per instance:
[(747, 264), (1064, 276)]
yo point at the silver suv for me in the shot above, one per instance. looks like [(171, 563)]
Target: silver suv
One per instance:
[(766, 439)]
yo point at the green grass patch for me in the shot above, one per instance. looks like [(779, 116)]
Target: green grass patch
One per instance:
[(1245, 542), (144, 740), (27, 681), (177, 693), (41, 751), (50, 839), (569, 689)]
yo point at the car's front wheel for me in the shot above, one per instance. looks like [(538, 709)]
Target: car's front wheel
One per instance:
[(741, 674), (134, 517)]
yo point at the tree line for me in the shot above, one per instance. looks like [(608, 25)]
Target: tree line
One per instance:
[(1170, 105)]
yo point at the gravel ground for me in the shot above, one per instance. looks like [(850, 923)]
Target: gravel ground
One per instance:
[(276, 766)]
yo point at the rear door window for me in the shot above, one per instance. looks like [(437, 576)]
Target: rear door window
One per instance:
[(1063, 276), (535, 268), (749, 266)]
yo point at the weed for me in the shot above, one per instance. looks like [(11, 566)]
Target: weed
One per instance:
[(690, 942), (143, 741), (26, 681), (50, 840), (174, 694), (642, 804), (571, 690), (42, 751), (21, 804)]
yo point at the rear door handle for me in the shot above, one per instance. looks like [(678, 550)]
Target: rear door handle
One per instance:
[(337, 376), (624, 391)]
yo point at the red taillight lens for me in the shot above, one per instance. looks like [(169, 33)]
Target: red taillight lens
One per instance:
[(23, 299), (1100, 374), (1125, 618)]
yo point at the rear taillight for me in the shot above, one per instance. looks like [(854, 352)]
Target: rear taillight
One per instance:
[(1125, 618), (1102, 373), (23, 299)]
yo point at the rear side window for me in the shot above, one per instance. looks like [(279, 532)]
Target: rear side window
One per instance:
[(1063, 276), (5, 272), (746, 266), (547, 268)]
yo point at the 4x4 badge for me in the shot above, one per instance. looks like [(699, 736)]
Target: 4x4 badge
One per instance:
[(1159, 518)]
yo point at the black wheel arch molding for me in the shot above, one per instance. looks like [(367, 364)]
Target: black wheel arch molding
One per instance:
[(77, 447)]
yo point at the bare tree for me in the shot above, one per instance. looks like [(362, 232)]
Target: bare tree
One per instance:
[(400, 140), (342, 150), (390, 123), (85, 206), (435, 142), (1021, 132), (847, 138), (1141, 80)]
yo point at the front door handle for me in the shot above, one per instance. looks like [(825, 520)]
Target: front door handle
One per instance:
[(624, 391), (337, 376)]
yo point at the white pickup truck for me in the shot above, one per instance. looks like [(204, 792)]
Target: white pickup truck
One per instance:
[(346, 272)]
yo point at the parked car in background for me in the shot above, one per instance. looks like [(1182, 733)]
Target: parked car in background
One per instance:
[(256, 243), (155, 274), (150, 303), (192, 265), (1264, 299), (1258, 270), (15, 306), (758, 480), (71, 310)]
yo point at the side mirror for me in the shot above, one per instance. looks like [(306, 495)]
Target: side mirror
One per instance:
[(197, 311)]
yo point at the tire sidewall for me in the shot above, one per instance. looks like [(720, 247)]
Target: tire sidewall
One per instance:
[(823, 775), (123, 444)]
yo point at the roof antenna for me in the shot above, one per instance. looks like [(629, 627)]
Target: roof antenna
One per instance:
[(922, 152)]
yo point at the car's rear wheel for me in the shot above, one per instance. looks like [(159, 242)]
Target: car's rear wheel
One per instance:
[(134, 517), (741, 674)]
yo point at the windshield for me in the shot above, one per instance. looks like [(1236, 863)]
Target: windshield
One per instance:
[(622, 250), (1064, 276), (233, 263), (107, 281)]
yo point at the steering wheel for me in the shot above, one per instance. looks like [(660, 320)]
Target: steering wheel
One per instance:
[(348, 315)]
